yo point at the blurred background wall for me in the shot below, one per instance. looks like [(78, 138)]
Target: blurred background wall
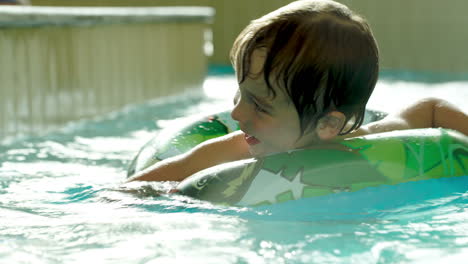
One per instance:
[(417, 35), (64, 64)]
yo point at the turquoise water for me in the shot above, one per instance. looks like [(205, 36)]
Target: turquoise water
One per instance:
[(62, 201)]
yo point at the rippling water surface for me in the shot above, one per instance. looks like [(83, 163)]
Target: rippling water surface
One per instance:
[(62, 201)]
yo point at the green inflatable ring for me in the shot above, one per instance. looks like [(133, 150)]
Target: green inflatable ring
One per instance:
[(353, 164)]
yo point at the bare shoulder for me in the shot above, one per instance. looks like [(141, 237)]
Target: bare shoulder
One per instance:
[(435, 112), (425, 113)]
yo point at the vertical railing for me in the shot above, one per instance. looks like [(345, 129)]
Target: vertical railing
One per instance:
[(62, 64), (425, 35)]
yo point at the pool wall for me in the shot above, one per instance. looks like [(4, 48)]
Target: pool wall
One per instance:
[(416, 35), (65, 63)]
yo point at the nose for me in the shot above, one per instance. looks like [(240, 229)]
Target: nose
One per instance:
[(238, 113)]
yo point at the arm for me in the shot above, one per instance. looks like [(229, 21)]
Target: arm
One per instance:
[(207, 154), (426, 113)]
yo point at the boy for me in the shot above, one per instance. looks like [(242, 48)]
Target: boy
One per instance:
[(305, 74)]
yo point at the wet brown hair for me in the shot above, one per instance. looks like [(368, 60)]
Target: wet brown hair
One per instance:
[(321, 53)]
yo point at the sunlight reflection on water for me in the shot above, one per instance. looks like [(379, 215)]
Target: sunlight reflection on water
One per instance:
[(62, 201)]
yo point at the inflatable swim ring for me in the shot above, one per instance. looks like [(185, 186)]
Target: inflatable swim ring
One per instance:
[(381, 159)]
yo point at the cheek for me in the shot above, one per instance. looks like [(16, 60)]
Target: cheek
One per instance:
[(288, 137), (287, 134), (281, 134)]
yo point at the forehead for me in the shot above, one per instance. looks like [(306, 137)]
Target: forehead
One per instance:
[(257, 60), (255, 80)]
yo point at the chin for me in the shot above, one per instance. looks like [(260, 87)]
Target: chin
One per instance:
[(254, 153), (258, 151)]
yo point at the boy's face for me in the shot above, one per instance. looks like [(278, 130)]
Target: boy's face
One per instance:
[(270, 124)]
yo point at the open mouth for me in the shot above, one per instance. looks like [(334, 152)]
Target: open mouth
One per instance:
[(251, 140)]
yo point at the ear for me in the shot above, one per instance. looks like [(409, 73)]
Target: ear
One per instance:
[(329, 126)]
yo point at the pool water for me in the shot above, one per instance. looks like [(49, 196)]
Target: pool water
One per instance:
[(62, 200)]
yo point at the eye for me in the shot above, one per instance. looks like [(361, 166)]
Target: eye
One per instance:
[(236, 97), (259, 108)]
